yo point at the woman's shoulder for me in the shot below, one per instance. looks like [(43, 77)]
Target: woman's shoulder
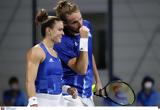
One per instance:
[(36, 51)]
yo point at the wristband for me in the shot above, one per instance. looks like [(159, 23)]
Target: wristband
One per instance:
[(32, 101), (83, 44), (65, 88)]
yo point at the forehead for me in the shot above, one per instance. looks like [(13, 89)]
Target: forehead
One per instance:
[(75, 16), (58, 24)]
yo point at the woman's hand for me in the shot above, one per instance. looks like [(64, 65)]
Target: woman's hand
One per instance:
[(34, 105), (73, 92)]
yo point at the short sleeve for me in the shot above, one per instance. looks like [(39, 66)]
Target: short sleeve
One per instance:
[(65, 52), (88, 24)]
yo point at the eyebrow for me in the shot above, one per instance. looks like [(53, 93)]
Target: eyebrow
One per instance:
[(76, 20)]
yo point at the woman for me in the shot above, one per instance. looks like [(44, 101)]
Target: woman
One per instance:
[(44, 70)]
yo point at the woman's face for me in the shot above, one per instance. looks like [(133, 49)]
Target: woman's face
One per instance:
[(57, 32)]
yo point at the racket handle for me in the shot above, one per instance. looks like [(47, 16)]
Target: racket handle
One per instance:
[(100, 93)]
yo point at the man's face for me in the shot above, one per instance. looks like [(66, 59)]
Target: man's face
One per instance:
[(74, 22)]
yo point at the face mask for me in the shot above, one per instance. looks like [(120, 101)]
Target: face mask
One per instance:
[(148, 85), (14, 86)]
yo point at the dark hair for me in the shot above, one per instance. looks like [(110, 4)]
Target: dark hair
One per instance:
[(64, 8), (45, 20), (114, 78), (12, 80), (147, 79)]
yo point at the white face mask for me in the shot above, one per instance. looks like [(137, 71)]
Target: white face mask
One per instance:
[(14, 86), (148, 85)]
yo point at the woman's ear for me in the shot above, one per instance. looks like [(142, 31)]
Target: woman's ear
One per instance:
[(47, 31)]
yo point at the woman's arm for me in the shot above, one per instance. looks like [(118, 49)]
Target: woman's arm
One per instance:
[(34, 57)]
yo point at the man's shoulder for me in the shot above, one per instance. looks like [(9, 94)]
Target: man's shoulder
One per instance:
[(65, 42), (7, 91), (155, 93), (140, 93), (86, 22), (22, 93), (65, 39)]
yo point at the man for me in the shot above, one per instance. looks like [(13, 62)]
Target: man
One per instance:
[(75, 52), (14, 96)]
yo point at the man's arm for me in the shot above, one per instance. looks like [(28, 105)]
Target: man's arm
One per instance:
[(80, 64), (96, 75)]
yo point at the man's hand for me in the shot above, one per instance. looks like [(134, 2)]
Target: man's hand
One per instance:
[(84, 32), (98, 86), (73, 92)]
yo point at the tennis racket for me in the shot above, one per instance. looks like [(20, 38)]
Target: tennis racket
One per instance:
[(119, 92)]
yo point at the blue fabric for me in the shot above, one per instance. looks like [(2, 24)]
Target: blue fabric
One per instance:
[(152, 100), (68, 49), (19, 100), (49, 76), (108, 102)]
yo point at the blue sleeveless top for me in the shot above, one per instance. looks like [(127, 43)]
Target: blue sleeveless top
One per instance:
[(49, 76)]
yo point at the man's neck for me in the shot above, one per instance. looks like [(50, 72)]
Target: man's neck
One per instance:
[(70, 32)]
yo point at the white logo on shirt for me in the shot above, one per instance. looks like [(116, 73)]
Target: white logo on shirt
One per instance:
[(51, 60), (76, 44), (89, 34)]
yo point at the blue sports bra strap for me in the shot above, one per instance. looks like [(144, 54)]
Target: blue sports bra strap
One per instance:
[(44, 48)]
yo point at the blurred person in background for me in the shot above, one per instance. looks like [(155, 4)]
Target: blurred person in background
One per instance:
[(75, 51), (14, 96), (148, 96)]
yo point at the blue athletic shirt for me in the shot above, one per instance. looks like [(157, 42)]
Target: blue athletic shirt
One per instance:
[(68, 49), (49, 76), (148, 100)]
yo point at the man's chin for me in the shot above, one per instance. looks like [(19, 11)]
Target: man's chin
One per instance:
[(57, 41), (75, 32)]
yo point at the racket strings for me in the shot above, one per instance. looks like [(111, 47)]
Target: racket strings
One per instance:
[(118, 92)]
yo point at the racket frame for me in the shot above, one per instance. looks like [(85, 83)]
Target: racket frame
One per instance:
[(105, 96)]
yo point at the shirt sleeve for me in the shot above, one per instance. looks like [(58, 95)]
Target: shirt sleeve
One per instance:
[(21, 100), (65, 52), (6, 96), (90, 27)]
